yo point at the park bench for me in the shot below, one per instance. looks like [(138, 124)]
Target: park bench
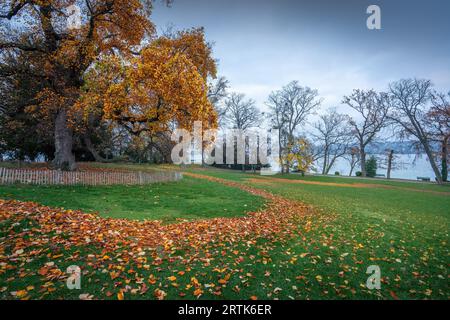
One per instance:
[(380, 175), (424, 178)]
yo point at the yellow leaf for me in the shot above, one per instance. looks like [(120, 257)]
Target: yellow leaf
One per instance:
[(160, 294), (172, 278), (21, 293), (198, 292)]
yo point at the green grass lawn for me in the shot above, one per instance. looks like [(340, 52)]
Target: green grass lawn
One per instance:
[(402, 230), (188, 199), (355, 180)]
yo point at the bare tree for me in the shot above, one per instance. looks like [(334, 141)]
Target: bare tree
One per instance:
[(438, 119), (217, 92), (294, 104), (372, 108), (390, 158), (278, 119), (410, 103), (389, 161), (241, 113), (332, 138), (353, 157)]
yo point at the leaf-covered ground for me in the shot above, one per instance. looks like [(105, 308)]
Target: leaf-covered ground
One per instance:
[(287, 250), (39, 242)]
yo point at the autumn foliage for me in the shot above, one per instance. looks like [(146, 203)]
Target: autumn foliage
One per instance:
[(110, 66), (299, 154), (163, 85)]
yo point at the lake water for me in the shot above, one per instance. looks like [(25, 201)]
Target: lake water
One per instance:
[(408, 166)]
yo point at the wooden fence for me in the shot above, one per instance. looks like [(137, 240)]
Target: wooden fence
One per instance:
[(94, 178)]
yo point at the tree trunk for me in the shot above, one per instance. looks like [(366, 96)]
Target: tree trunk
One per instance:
[(330, 164), (429, 153), (363, 162), (352, 164), (64, 158), (325, 160), (280, 153), (91, 149), (245, 154), (203, 156), (289, 152), (444, 157), (389, 167), (351, 170)]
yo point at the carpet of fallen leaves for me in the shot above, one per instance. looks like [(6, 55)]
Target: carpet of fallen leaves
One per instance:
[(286, 250), (125, 250)]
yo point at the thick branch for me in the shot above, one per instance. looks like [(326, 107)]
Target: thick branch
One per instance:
[(21, 46), (14, 10)]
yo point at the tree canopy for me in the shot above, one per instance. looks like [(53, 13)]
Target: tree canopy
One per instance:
[(109, 65)]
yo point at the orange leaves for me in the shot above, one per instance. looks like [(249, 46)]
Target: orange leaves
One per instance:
[(43, 271), (197, 285), (159, 294), (21, 294), (393, 295), (152, 279), (77, 50), (198, 292), (172, 278), (193, 44), (94, 68), (114, 275), (162, 85), (132, 252), (129, 25), (195, 282), (225, 279)]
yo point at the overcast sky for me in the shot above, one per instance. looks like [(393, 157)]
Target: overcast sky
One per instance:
[(262, 45)]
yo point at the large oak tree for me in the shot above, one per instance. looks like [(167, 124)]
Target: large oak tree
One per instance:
[(42, 27), (158, 80)]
